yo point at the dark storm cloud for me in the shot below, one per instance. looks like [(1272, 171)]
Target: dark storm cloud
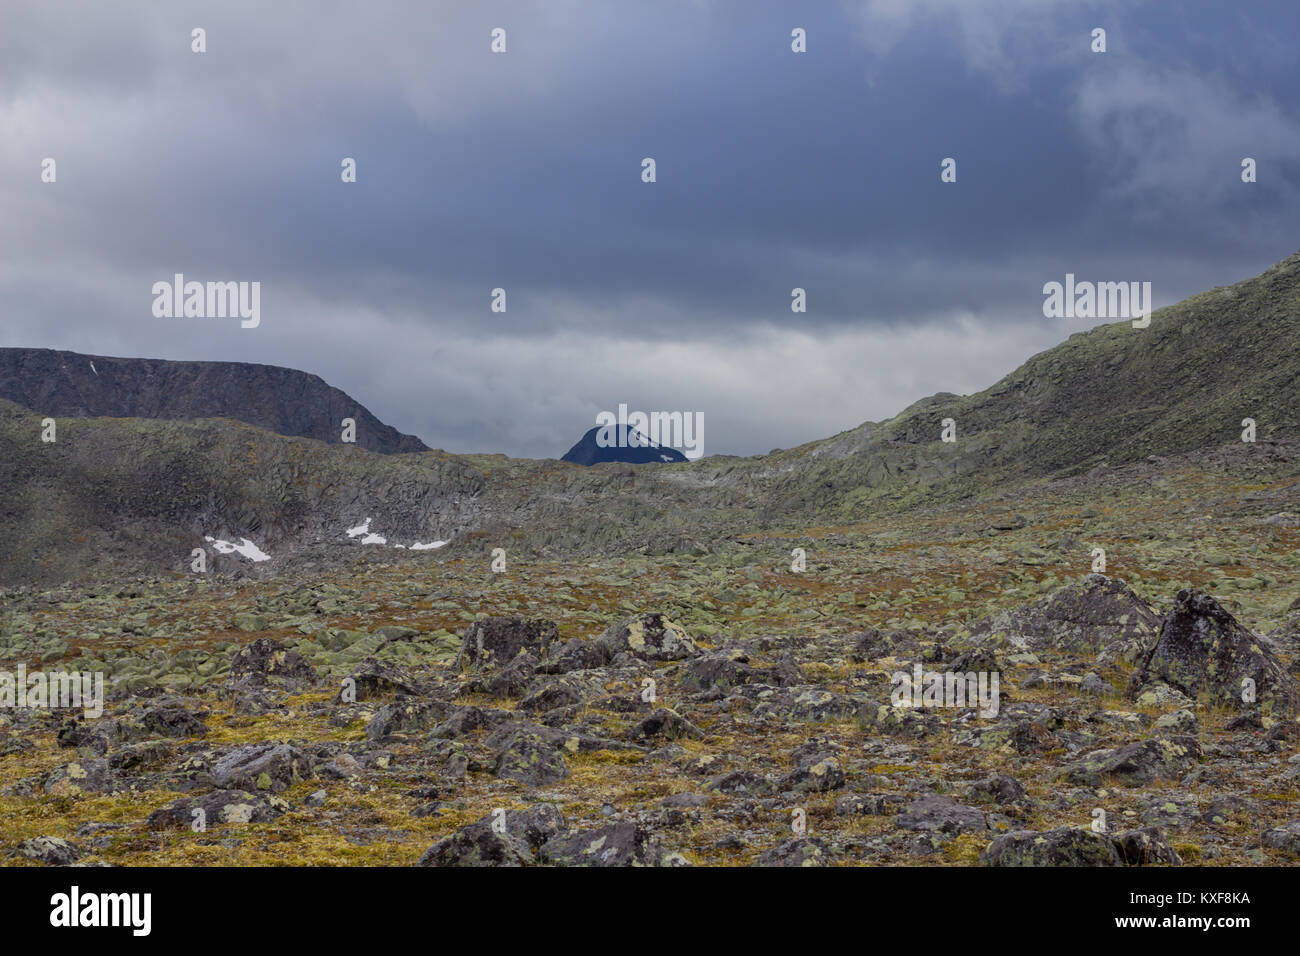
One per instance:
[(522, 171)]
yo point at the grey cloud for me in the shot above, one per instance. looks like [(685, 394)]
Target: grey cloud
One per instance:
[(522, 171)]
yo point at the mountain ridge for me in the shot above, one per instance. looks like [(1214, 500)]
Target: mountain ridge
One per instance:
[(282, 400), (145, 492), (588, 450)]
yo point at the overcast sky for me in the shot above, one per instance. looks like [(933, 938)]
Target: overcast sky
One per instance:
[(522, 170)]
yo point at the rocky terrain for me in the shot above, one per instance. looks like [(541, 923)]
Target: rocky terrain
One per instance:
[(432, 659), (137, 495), (694, 709)]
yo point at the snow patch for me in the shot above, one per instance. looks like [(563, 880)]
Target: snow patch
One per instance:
[(373, 537), (245, 548)]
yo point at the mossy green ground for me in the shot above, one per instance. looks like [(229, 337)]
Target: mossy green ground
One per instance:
[(932, 568)]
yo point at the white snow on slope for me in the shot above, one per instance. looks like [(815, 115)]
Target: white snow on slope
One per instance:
[(245, 548), (374, 537)]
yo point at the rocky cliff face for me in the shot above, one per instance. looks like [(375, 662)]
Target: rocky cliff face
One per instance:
[(281, 400)]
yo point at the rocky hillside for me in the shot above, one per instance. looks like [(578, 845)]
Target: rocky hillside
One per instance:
[(1112, 395), (281, 400), (877, 649), (136, 494)]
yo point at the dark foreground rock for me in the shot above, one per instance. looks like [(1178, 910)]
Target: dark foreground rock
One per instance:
[(264, 766), (263, 672), (495, 641), (502, 838), (53, 851), (1205, 653), (1136, 764), (1066, 846), (218, 806), (619, 844), (1098, 615)]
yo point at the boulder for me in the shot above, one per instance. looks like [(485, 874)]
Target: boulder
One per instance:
[(407, 715), (264, 766), (650, 637), (85, 776), (619, 844), (1097, 615), (940, 814), (218, 806), (799, 851), (531, 759), (1205, 653), (815, 773), (1144, 847), (170, 720), (495, 641), (1065, 846), (263, 671), (511, 838), (377, 679), (1136, 764), (1285, 837), (53, 851)]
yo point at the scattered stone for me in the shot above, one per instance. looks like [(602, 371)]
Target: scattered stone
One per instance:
[(495, 641), (1136, 764), (1285, 837), (53, 851), (531, 759), (1144, 847), (219, 806), (942, 815), (1065, 846), (618, 844), (264, 766), (509, 838)]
